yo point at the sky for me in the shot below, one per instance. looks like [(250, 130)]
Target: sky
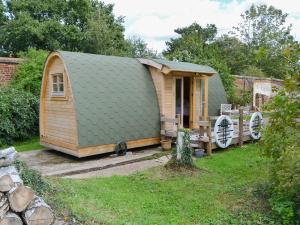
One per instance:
[(155, 20)]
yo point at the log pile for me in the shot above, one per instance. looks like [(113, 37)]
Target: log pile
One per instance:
[(18, 203)]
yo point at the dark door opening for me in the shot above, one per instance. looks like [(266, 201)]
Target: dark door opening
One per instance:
[(186, 102)]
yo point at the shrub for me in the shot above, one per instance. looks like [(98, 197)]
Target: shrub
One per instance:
[(19, 115), (29, 73), (281, 143)]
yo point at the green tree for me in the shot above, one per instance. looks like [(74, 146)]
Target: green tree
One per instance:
[(264, 32), (234, 53), (138, 48), (75, 25), (29, 73), (198, 45)]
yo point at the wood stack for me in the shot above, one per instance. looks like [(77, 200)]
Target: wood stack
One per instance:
[(18, 204)]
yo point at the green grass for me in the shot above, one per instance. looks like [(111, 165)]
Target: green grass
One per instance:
[(28, 145), (220, 192)]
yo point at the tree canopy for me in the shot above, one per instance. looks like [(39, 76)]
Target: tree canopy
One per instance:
[(265, 34), (257, 46), (197, 44), (74, 25)]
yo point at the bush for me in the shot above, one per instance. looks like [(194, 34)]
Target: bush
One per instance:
[(281, 143), (19, 115), (29, 73), (242, 98)]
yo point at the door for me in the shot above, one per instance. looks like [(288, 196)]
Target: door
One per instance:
[(199, 96)]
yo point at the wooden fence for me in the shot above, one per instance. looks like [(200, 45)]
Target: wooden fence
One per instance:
[(235, 128)]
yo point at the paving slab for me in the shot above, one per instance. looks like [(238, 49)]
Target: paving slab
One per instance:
[(53, 163)]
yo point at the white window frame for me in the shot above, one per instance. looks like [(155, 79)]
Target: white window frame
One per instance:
[(57, 83)]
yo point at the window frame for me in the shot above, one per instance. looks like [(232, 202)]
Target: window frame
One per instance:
[(57, 84)]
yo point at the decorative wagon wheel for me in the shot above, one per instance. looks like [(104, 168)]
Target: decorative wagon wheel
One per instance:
[(255, 124), (223, 131), (121, 148)]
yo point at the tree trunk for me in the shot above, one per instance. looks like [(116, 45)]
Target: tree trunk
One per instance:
[(9, 178), (38, 213), (19, 198), (11, 218)]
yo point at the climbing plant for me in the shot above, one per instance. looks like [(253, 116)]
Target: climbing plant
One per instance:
[(183, 148)]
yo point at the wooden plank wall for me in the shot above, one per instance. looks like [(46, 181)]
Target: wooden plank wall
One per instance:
[(59, 113), (158, 80)]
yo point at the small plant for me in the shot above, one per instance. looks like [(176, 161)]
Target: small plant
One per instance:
[(32, 178)]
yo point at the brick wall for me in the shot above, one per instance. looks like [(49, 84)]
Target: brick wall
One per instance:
[(7, 69)]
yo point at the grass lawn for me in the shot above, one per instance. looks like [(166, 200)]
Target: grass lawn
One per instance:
[(220, 192), (28, 145)]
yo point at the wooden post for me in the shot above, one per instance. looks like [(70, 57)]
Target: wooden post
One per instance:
[(162, 128), (241, 126), (206, 99), (209, 147)]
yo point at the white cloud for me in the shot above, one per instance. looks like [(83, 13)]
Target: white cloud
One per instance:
[(155, 20)]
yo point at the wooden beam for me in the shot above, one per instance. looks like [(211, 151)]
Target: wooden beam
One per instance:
[(150, 62), (241, 126), (165, 70), (205, 105), (194, 105), (99, 149)]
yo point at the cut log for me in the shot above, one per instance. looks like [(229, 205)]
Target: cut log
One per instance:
[(19, 198), (8, 159), (7, 151), (9, 178), (3, 200), (4, 207), (11, 218), (3, 210), (38, 213)]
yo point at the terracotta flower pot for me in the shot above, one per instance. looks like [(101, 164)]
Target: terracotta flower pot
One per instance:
[(166, 144)]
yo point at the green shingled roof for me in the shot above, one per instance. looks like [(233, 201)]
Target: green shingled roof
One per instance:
[(216, 95), (184, 66), (114, 97)]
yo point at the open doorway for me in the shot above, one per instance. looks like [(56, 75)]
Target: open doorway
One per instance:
[(182, 100), (186, 102)]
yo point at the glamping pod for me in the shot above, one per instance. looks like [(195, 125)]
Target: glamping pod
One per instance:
[(90, 103)]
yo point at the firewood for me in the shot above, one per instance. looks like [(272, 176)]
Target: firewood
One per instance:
[(38, 213), (19, 198), (7, 151), (3, 200), (3, 210), (8, 159), (11, 218), (4, 207), (9, 178)]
